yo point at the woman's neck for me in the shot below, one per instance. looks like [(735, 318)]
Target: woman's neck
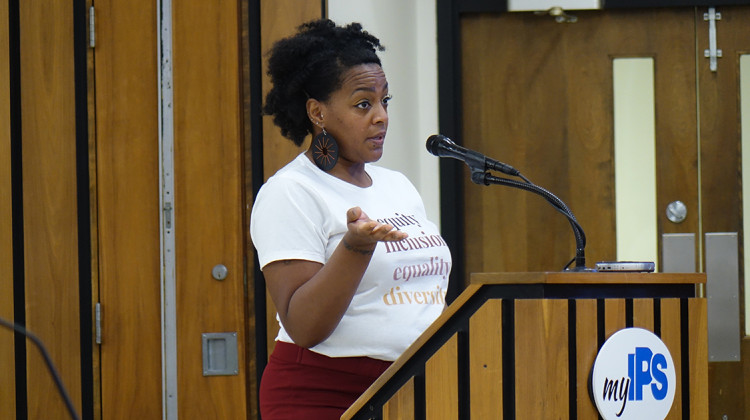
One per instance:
[(353, 173)]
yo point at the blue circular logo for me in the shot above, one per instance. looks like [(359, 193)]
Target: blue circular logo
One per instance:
[(633, 376)]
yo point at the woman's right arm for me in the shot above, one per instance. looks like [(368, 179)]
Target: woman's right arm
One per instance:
[(311, 298)]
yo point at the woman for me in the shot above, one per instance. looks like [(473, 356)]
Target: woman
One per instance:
[(353, 266)]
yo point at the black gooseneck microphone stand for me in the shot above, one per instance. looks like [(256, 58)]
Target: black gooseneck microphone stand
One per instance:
[(482, 177), (480, 166)]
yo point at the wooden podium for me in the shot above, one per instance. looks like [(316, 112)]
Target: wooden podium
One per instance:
[(522, 345)]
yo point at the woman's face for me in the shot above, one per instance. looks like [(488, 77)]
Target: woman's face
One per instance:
[(356, 115)]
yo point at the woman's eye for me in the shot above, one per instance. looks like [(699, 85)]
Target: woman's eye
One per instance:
[(363, 105), (387, 99)]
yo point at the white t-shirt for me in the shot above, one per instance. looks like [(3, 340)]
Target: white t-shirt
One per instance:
[(300, 213)]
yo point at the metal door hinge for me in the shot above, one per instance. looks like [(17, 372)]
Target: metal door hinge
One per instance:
[(92, 27), (712, 53), (98, 322)]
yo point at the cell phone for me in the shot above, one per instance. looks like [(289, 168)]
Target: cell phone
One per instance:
[(630, 266)]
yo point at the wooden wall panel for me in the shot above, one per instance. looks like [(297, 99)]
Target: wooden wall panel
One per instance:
[(401, 405), (698, 357), (7, 354), (614, 316), (586, 351), (49, 203), (279, 18), (441, 379), (541, 346), (208, 201), (128, 208), (670, 335), (643, 313), (486, 364)]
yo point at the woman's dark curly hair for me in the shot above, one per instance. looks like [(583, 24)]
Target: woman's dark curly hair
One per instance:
[(310, 64)]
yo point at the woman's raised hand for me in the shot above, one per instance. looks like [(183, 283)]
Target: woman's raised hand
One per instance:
[(365, 232)]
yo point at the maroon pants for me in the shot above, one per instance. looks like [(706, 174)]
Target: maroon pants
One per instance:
[(300, 384)]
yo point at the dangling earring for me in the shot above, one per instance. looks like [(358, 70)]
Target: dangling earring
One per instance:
[(325, 151)]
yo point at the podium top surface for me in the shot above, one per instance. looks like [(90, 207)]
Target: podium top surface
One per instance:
[(572, 277)]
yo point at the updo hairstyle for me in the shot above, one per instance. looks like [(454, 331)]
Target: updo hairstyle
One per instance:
[(310, 64)]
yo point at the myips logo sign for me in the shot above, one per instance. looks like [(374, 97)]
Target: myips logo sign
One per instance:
[(633, 376)]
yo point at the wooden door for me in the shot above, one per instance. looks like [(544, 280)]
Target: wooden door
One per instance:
[(721, 186), (125, 111), (207, 206), (538, 95)]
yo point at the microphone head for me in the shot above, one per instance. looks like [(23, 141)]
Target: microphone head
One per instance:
[(435, 142)]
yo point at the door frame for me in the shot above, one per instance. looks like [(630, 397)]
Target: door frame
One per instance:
[(449, 13), (452, 173)]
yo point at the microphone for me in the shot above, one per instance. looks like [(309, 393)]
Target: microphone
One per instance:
[(442, 146)]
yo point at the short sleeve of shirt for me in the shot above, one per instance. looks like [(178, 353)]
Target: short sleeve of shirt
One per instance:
[(287, 223)]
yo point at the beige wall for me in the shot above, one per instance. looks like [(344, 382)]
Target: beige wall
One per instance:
[(408, 31)]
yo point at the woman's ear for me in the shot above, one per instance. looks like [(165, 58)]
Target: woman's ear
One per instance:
[(315, 111)]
